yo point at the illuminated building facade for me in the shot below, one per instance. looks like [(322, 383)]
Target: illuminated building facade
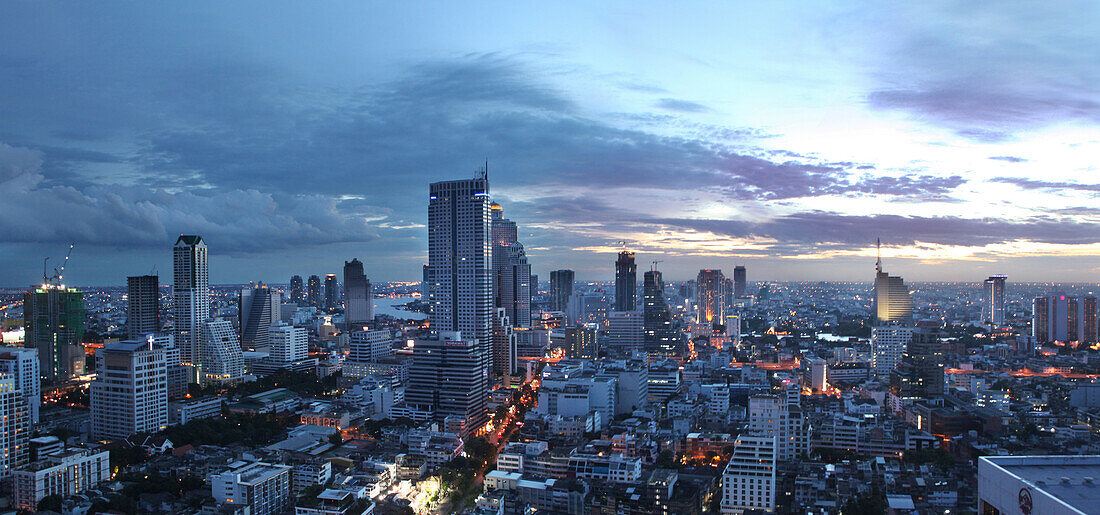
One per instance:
[(1059, 318), (191, 293)]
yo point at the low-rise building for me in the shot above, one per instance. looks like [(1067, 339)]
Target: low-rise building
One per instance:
[(62, 473), (263, 487)]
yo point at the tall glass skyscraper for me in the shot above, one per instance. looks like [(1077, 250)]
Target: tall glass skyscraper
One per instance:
[(358, 300), (739, 281), (993, 300), (511, 272), (191, 295), (626, 282), (297, 294), (53, 318), (561, 288), (313, 294), (332, 293), (892, 303), (660, 340), (710, 290)]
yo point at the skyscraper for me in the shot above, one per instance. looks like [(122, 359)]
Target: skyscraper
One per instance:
[(534, 285), (22, 365), (561, 288), (993, 300), (358, 300), (258, 308), (191, 294), (740, 282), (888, 344), (892, 303), (313, 295), (626, 282), (749, 479), (332, 293), (297, 294), (15, 426), (222, 360), (659, 338), (1058, 318), (710, 294), (289, 345), (461, 299), (919, 375), (511, 272), (580, 341), (142, 305), (53, 318), (505, 344), (130, 393)]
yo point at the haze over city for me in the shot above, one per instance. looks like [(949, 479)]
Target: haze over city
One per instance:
[(775, 135)]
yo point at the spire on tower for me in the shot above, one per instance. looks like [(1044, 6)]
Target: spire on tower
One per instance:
[(878, 255)]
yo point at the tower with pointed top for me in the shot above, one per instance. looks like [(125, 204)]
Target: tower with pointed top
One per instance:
[(892, 302), (191, 297)]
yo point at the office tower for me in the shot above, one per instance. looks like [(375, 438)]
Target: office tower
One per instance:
[(142, 305), (1058, 318), (461, 293), (534, 285), (130, 393), (771, 415), (888, 343), (660, 339), (626, 282), (587, 308), (710, 292), (815, 374), (358, 300), (191, 294), (263, 488), (177, 373), (580, 341), (222, 360), (22, 365), (425, 282), (53, 320), (370, 345), (505, 344), (733, 329), (297, 294), (258, 308), (62, 474), (332, 293), (289, 344), (749, 480), (15, 426), (446, 379), (626, 331), (740, 282), (993, 300), (511, 272), (892, 303), (561, 288), (313, 294), (919, 375)]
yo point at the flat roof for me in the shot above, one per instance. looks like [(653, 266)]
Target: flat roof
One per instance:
[(1074, 480)]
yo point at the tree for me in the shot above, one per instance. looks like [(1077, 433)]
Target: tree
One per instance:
[(335, 439), (667, 459), (50, 502)]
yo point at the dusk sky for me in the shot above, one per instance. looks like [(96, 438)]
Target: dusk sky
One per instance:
[(785, 136)]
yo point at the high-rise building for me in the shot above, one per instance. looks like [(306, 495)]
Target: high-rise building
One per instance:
[(297, 293), (534, 285), (22, 365), (142, 305), (130, 393), (919, 375), (626, 331), (1058, 318), (446, 379), (626, 282), (740, 282), (289, 344), (660, 339), (358, 299), (771, 415), (511, 272), (993, 300), (733, 329), (258, 308), (749, 480), (53, 318), (710, 290), (425, 282), (332, 293), (313, 293), (505, 344), (461, 299), (580, 341), (892, 303), (15, 426), (888, 344), (370, 345), (177, 373), (222, 360), (561, 288), (191, 297)]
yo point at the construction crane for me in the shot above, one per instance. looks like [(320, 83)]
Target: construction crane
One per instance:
[(654, 267), (58, 271)]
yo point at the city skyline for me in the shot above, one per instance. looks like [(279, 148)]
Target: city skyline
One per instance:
[(787, 140)]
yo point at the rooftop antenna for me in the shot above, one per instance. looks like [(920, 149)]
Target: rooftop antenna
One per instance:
[(878, 254), (654, 267), (154, 270), (483, 172)]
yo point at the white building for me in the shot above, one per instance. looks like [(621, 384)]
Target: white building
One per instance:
[(748, 482), (888, 344), (222, 359), (816, 374), (615, 468), (626, 330), (370, 346), (1046, 485), (184, 411), (22, 364), (770, 415), (63, 473), (263, 487), (130, 392), (191, 294), (289, 344)]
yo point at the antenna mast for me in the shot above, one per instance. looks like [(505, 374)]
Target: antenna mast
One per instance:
[(878, 255)]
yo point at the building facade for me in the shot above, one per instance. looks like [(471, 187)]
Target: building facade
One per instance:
[(130, 392), (142, 305), (626, 282), (53, 320), (191, 299)]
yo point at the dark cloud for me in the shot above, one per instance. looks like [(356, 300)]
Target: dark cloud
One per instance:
[(683, 106), (1036, 184), (1009, 159)]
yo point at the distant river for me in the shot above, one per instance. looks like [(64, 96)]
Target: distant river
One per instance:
[(390, 306)]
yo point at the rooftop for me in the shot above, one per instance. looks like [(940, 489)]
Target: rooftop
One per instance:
[(1071, 479)]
